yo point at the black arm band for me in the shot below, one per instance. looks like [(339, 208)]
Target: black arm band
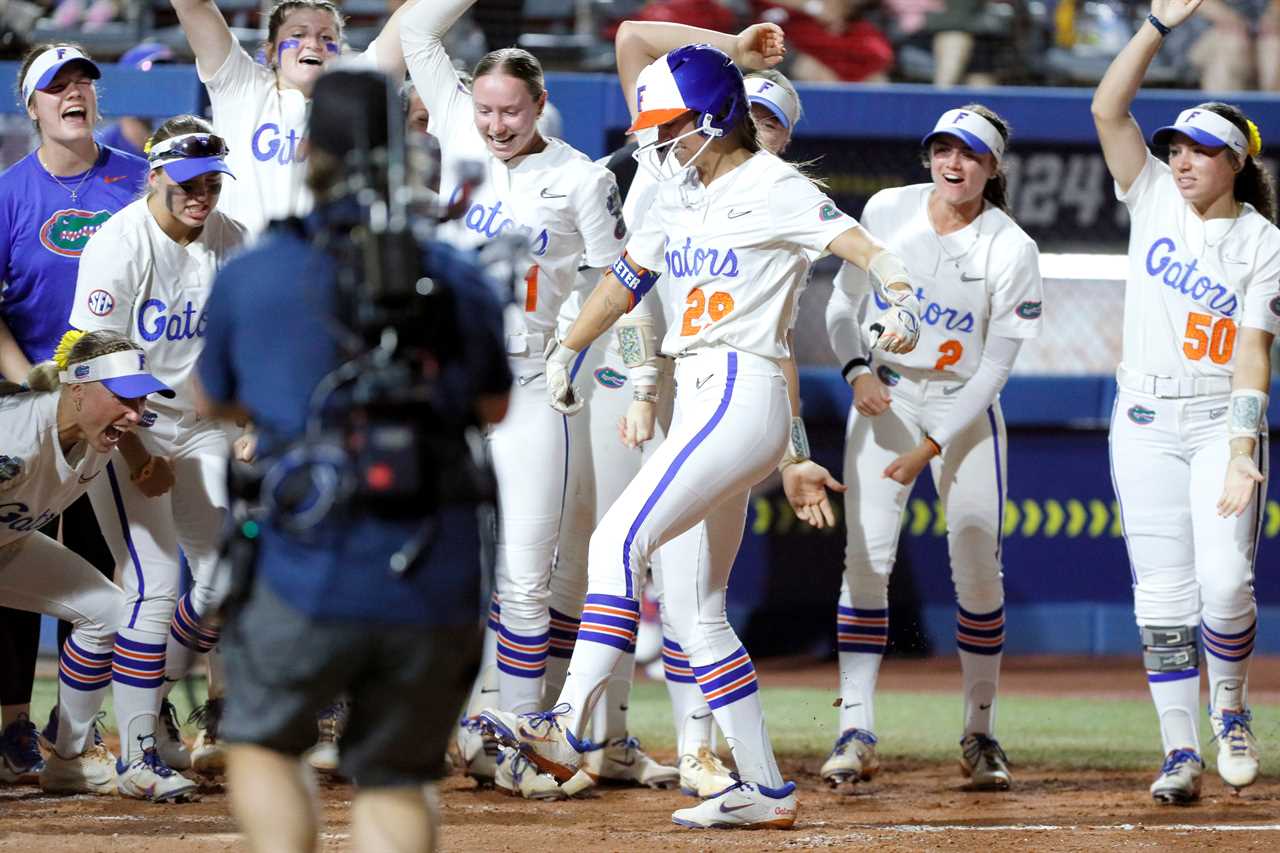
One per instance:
[(1159, 25), (852, 363)]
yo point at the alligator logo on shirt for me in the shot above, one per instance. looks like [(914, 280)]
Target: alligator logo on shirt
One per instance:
[(610, 378), (1141, 415), (1028, 310), (67, 231)]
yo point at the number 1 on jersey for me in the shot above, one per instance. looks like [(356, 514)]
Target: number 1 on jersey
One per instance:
[(696, 303), (1217, 342)]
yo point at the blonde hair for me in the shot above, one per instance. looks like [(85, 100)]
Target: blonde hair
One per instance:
[(75, 347)]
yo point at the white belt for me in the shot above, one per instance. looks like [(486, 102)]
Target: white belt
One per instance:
[(1170, 387), (526, 343)]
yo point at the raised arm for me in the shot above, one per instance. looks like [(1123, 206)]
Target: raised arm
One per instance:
[(421, 30), (1123, 147), (207, 33), (639, 43), (390, 52)]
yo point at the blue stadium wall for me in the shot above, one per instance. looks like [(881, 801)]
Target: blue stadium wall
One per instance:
[(1067, 576)]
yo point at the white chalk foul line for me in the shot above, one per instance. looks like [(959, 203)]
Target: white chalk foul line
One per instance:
[(1106, 827)]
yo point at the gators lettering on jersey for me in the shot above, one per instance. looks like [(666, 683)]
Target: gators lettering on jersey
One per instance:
[(36, 481), (42, 234), (137, 281), (981, 280), (1199, 280), (734, 255)]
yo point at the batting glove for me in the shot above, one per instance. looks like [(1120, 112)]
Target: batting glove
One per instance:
[(564, 398), (898, 328)]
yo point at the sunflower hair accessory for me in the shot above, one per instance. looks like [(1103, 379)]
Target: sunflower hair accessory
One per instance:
[(62, 354), (1255, 139)]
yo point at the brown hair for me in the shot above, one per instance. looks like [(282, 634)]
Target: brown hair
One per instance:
[(1254, 182), (514, 62), (87, 345), (996, 192), (281, 10)]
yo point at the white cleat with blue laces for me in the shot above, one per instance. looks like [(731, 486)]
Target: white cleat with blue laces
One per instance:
[(147, 777), (852, 759), (1237, 747), (1179, 780), (746, 805), (541, 737)]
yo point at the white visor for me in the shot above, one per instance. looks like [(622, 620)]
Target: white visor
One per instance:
[(775, 98), (1207, 128), (124, 373), (47, 65), (970, 128)]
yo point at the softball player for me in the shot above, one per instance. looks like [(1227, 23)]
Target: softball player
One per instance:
[(732, 236), (50, 202), (261, 110), (978, 277), (568, 210), (1202, 307), (147, 274), (58, 443)]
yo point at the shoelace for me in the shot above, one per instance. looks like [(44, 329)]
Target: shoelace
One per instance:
[(151, 757), (983, 747), (539, 719), (169, 717), (1177, 758), (850, 736), (207, 716), (1235, 729)]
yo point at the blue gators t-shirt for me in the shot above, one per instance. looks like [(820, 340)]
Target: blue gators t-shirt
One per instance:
[(43, 231), (268, 342)]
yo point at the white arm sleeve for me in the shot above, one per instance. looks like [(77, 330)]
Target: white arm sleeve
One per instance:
[(981, 389), (434, 78), (845, 313)]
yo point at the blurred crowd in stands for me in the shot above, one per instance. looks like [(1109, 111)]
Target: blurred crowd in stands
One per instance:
[(1232, 45)]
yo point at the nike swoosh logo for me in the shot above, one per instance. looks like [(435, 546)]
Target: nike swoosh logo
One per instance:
[(490, 690), (854, 705), (703, 381), (525, 380), (947, 392), (111, 179), (984, 707), (1217, 413), (727, 809), (964, 277), (734, 214), (85, 479), (701, 716), (546, 193)]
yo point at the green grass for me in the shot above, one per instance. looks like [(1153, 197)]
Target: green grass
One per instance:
[(1099, 734)]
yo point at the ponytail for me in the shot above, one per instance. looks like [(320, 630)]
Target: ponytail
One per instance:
[(1254, 182)]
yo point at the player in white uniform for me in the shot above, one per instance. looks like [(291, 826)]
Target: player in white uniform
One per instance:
[(568, 211), (731, 235), (1189, 429), (978, 278), (261, 110), (58, 439), (148, 276)]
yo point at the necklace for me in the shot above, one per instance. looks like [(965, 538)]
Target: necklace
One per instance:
[(75, 191), (952, 256), (1205, 243)]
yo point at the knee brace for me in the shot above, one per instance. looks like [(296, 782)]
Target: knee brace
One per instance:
[(1169, 648)]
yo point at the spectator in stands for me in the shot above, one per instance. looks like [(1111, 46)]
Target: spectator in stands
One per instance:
[(93, 16), (830, 40), (974, 41), (1238, 45), (130, 133)]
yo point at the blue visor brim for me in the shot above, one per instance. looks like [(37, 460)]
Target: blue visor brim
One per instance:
[(959, 133), (138, 385), (187, 168), (773, 108), (47, 77), (1204, 137)]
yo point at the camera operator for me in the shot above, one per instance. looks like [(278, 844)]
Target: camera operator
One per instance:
[(356, 586)]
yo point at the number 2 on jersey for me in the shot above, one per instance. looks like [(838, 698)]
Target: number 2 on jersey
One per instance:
[(949, 353), (1207, 337), (697, 303)]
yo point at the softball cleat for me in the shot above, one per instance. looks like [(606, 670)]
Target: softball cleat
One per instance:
[(147, 777), (1179, 780), (704, 774), (746, 805), (91, 772), (516, 775), (1237, 747), (169, 738), (852, 759), (622, 762), (985, 763), (539, 735)]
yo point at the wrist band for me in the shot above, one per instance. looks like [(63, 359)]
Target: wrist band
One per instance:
[(937, 448), (645, 396), (797, 445), (854, 363), (1158, 24)]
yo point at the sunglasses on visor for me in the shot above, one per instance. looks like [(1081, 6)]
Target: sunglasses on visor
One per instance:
[(189, 145)]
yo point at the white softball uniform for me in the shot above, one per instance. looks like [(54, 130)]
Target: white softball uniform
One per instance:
[(1191, 285), (264, 127), (981, 281), (569, 211), (137, 281)]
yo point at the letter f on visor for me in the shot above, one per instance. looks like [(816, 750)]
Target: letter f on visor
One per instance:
[(695, 78)]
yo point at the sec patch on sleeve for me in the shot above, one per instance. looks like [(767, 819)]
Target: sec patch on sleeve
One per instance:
[(101, 303), (1028, 310), (1274, 305)]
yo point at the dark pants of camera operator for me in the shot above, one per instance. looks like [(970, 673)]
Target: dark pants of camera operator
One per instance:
[(406, 682)]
